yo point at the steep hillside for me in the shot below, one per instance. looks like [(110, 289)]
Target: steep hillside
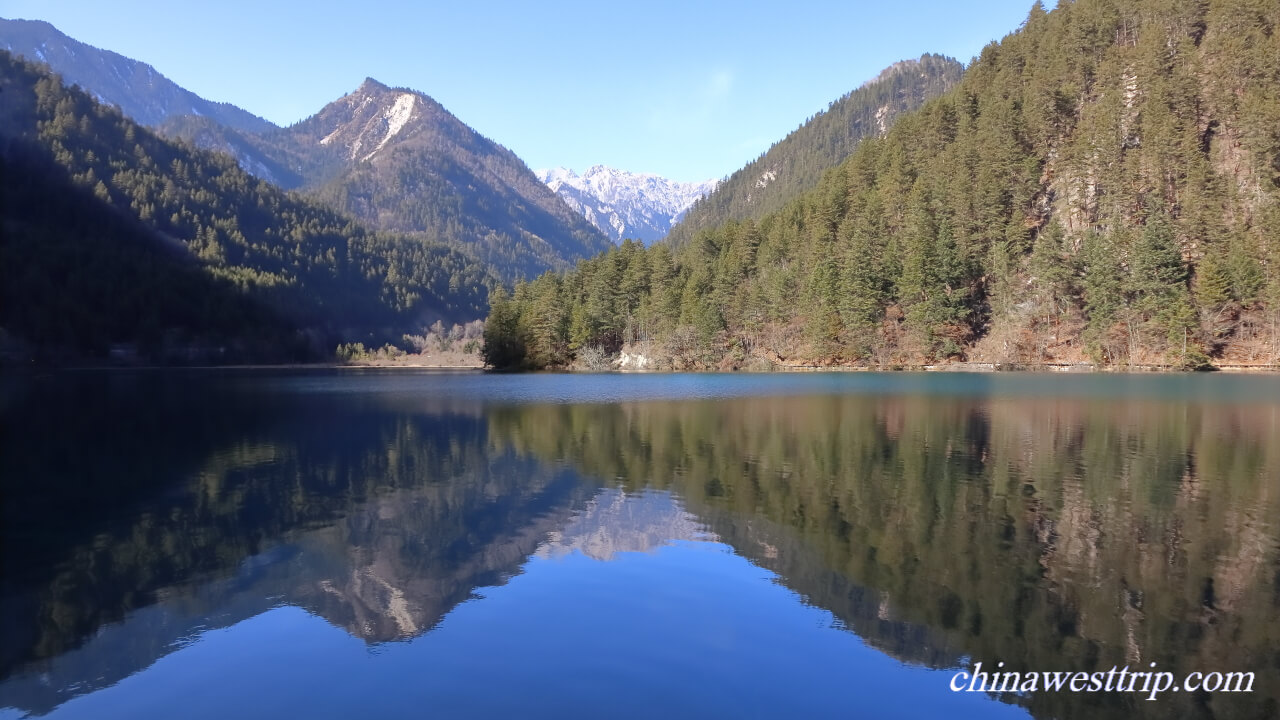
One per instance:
[(796, 163), (254, 154), (135, 87), (1103, 185), (80, 280), (328, 277), (622, 204)]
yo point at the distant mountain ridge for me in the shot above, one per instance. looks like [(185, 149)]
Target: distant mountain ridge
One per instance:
[(623, 204), (796, 163), (135, 87)]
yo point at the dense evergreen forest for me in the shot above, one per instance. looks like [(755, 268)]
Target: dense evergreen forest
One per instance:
[(1101, 186), (114, 236), (796, 163), (78, 278)]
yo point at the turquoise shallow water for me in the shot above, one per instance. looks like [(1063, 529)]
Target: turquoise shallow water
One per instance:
[(425, 544)]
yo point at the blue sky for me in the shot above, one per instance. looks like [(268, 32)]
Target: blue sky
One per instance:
[(689, 90)]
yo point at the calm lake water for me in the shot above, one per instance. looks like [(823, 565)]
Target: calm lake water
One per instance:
[(352, 544)]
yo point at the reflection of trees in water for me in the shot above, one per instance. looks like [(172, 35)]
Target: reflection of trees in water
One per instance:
[(1050, 534), (1047, 533)]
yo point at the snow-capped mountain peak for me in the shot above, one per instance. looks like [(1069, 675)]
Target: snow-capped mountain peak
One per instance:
[(624, 204)]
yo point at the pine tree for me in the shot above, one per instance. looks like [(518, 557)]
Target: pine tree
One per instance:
[(504, 347)]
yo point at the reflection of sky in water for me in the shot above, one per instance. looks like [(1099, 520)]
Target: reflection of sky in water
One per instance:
[(613, 387), (688, 629), (350, 544), (676, 624)]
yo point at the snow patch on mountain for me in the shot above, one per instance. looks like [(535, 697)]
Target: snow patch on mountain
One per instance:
[(367, 120), (622, 204), (396, 116)]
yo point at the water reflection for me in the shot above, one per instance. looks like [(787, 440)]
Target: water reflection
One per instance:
[(614, 522), (1047, 533), (1050, 531)]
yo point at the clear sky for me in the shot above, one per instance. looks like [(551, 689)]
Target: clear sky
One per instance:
[(689, 90)]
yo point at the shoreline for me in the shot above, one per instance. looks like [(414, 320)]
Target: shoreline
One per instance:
[(955, 367), (986, 367)]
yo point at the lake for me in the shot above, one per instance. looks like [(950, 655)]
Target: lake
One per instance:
[(403, 544)]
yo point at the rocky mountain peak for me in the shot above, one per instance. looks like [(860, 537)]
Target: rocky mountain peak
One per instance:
[(363, 122), (622, 204)]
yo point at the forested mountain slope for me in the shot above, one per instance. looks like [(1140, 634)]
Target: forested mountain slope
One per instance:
[(255, 154), (196, 214), (796, 163), (1102, 185), (79, 278)]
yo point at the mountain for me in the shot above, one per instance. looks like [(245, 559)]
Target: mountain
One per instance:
[(170, 213), (624, 204), (391, 157), (796, 163), (135, 87), (148, 97), (254, 154), (398, 161), (1102, 187)]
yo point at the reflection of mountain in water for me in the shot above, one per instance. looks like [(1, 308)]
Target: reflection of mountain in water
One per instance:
[(1051, 534), (390, 575), (377, 516), (615, 522), (390, 568)]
